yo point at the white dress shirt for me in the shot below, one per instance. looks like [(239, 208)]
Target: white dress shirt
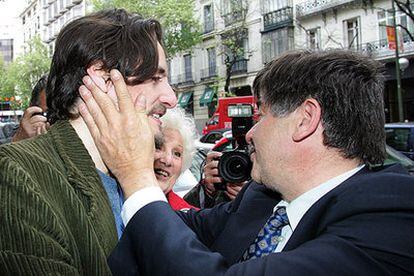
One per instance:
[(297, 208)]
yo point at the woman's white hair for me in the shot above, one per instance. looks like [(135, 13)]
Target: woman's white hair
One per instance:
[(176, 118)]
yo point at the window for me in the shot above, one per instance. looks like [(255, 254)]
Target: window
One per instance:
[(398, 138), (188, 68), (274, 5), (276, 42), (233, 11), (314, 38), (208, 19), (211, 58), (352, 34), (385, 19)]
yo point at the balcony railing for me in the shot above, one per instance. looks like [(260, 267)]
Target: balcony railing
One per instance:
[(379, 48), (234, 17), (239, 67), (182, 79), (208, 26), (209, 72), (69, 4), (315, 6), (278, 19)]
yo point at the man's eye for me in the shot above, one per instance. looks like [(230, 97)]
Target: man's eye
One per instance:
[(156, 78)]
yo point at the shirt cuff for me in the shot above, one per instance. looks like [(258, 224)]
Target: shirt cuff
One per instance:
[(138, 200)]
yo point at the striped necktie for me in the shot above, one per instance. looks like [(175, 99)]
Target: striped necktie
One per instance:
[(268, 237)]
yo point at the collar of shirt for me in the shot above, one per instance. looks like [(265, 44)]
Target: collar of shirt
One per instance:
[(297, 208)]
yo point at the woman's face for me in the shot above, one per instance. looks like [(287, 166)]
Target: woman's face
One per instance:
[(169, 159)]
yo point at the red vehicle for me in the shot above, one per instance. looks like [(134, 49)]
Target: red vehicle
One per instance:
[(221, 119)]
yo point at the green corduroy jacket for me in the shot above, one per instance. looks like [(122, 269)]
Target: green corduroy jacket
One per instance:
[(55, 216)]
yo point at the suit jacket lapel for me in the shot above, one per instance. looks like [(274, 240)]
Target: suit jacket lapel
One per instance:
[(244, 225), (313, 222)]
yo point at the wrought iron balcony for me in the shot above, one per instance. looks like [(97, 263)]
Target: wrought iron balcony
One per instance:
[(278, 19), (182, 79), (208, 26), (379, 49), (234, 17), (239, 67), (315, 6), (209, 72)]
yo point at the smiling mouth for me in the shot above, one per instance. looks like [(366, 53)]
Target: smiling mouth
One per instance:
[(156, 113), (161, 172)]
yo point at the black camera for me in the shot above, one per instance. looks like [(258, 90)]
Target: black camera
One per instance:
[(235, 165)]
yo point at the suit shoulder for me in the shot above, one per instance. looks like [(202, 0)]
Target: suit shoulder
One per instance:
[(383, 189)]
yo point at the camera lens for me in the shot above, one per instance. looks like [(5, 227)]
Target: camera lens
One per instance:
[(235, 166)]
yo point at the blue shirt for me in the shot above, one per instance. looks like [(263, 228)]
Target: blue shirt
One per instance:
[(116, 198)]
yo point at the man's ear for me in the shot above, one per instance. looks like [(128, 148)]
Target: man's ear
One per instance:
[(308, 119), (98, 75)]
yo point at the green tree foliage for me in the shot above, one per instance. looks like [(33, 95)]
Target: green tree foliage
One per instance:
[(181, 29), (21, 75)]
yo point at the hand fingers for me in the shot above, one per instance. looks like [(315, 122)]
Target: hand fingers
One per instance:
[(92, 111), (234, 187), (232, 191), (210, 180), (43, 129), (37, 125), (229, 195), (213, 155), (99, 98), (238, 184), (28, 113), (211, 172), (37, 119), (124, 99), (140, 104), (89, 121), (210, 189), (210, 165)]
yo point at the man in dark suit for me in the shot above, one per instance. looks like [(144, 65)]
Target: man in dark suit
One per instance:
[(321, 208)]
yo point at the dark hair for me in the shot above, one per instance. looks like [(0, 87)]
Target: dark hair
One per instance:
[(116, 38), (349, 88), (39, 87)]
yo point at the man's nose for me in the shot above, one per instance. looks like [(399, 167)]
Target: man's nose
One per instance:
[(249, 135), (168, 97)]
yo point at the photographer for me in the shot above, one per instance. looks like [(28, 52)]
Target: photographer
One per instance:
[(205, 194), (225, 173), (33, 122)]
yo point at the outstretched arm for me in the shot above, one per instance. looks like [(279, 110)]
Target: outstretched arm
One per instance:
[(121, 133)]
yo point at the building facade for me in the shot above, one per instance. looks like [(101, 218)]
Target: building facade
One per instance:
[(47, 17), (276, 26), (362, 26), (10, 30)]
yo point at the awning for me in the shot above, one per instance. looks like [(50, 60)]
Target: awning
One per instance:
[(185, 98), (207, 96)]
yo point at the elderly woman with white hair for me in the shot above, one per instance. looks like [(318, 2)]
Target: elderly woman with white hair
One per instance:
[(173, 155)]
